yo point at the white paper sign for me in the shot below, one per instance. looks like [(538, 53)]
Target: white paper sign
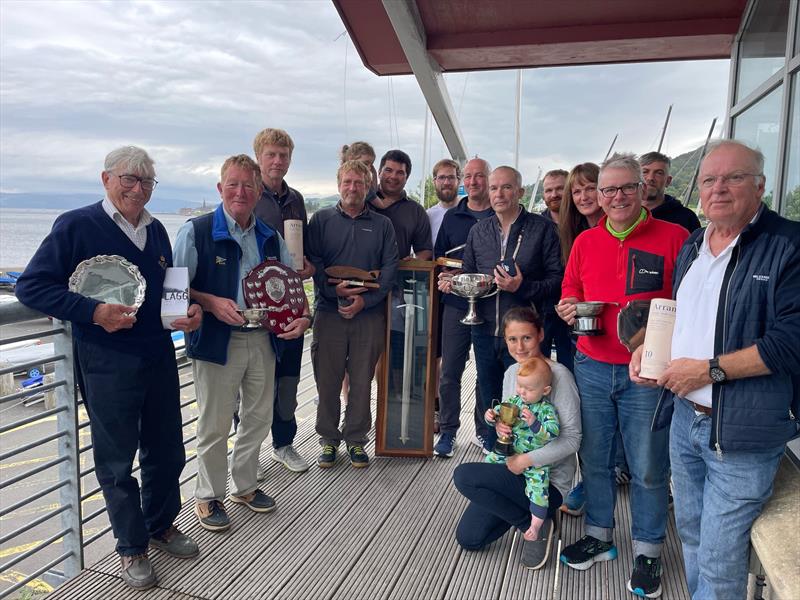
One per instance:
[(658, 338), (293, 235), (175, 295)]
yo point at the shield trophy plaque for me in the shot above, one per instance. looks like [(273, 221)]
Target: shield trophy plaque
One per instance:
[(109, 278), (274, 296)]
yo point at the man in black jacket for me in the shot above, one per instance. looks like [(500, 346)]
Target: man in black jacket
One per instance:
[(522, 251), (655, 170)]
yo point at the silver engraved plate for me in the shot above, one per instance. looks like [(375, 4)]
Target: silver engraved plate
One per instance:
[(109, 278)]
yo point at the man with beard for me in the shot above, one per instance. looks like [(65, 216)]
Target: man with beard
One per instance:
[(411, 225), (446, 175), (457, 337), (655, 170), (552, 192)]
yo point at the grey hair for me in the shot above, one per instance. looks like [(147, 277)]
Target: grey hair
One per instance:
[(755, 153), (485, 162), (625, 160), (132, 158), (651, 157), (517, 174)]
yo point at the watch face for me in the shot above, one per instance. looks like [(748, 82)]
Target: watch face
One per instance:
[(717, 374)]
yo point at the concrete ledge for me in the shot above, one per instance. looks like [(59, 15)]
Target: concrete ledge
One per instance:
[(775, 537)]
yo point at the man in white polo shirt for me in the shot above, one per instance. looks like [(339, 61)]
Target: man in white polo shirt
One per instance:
[(733, 374)]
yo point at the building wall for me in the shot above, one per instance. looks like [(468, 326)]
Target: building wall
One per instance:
[(764, 96)]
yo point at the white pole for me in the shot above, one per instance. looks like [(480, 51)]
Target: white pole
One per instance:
[(517, 118), (424, 157)]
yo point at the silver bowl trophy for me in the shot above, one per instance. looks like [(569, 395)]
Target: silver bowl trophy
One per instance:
[(473, 286), (587, 318), (253, 316)]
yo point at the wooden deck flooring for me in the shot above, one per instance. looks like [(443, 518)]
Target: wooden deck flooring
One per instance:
[(386, 532)]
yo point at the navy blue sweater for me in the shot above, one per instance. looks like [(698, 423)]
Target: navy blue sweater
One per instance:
[(84, 233)]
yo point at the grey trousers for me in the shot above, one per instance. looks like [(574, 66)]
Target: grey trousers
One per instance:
[(353, 346), (251, 368)]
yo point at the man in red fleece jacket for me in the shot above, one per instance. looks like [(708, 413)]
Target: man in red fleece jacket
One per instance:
[(628, 256)]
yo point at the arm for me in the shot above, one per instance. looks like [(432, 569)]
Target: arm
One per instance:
[(469, 253), (43, 285), (316, 254), (566, 402), (548, 287), (442, 241), (422, 243), (389, 262)]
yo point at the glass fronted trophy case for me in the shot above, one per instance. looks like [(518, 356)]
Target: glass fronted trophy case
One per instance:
[(407, 377)]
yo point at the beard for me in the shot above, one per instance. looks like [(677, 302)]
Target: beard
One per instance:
[(447, 195)]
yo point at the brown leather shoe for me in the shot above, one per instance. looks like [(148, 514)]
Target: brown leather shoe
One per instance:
[(137, 571), (175, 543)]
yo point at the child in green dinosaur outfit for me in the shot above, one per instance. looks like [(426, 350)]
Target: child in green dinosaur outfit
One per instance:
[(537, 425)]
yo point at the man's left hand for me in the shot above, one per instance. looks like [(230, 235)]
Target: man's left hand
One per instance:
[(506, 282), (355, 307), (307, 271), (192, 320), (295, 329), (518, 463), (684, 375)]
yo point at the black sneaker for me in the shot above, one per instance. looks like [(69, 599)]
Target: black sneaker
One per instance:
[(327, 457), (586, 551), (358, 458), (645, 580)]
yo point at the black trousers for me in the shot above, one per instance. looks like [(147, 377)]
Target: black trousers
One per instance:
[(287, 378), (456, 340), (497, 502), (557, 332), (134, 403)]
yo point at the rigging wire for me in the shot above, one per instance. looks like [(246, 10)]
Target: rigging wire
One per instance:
[(344, 89)]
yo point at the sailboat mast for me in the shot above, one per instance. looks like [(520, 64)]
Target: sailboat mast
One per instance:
[(664, 130)]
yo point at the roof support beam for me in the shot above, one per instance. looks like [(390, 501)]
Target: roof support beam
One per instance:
[(405, 19)]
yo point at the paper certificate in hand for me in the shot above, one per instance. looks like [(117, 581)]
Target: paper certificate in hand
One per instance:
[(658, 338)]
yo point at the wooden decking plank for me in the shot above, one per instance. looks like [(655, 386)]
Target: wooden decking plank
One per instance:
[(335, 548), (407, 528), (93, 585), (259, 532)]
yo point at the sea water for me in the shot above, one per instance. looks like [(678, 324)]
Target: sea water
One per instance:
[(22, 231)]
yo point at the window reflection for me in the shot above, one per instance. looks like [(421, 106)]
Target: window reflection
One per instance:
[(791, 199), (759, 126), (762, 50)]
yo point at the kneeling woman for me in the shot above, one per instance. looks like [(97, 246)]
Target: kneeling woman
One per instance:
[(497, 491)]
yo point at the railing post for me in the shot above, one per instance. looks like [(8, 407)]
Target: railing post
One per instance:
[(69, 446)]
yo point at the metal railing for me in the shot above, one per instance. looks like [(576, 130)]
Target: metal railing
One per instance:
[(75, 485)]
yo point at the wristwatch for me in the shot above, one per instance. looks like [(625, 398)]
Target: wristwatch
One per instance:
[(717, 374)]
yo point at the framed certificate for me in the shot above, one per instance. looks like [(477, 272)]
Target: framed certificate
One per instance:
[(407, 379)]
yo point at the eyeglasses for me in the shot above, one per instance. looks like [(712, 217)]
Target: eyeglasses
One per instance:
[(629, 189), (733, 180), (129, 182), (444, 178)]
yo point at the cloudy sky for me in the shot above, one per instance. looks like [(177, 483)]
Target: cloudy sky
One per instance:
[(193, 81)]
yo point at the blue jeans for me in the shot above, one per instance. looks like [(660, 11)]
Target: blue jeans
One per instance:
[(717, 498), (610, 400), (491, 361)]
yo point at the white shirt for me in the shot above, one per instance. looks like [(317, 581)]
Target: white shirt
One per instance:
[(435, 216), (697, 305), (138, 233)]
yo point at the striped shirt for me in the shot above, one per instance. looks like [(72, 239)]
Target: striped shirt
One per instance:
[(137, 234)]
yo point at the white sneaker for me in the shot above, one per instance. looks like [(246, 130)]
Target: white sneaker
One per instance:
[(481, 443), (290, 459)]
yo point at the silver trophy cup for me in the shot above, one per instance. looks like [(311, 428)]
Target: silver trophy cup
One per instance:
[(473, 286)]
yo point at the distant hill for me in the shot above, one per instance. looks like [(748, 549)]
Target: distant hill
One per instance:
[(683, 167), (158, 204), (314, 204)]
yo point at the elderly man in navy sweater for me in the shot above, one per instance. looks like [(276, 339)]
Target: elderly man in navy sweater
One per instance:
[(125, 367)]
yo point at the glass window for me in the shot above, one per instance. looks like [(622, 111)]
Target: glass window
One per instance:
[(759, 126), (762, 50), (791, 199)]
